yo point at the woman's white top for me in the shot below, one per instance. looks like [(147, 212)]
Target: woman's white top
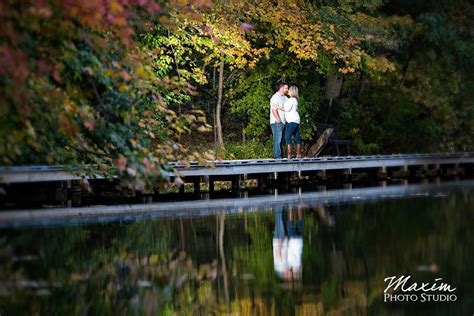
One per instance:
[(295, 251), (291, 111)]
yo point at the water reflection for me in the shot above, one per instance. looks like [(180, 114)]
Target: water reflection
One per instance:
[(288, 242), (290, 259)]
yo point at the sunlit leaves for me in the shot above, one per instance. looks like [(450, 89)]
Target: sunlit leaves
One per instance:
[(77, 89)]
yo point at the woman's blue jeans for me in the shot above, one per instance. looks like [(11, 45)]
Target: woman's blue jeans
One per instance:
[(293, 129)]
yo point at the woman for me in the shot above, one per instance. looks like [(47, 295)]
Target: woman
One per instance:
[(293, 122)]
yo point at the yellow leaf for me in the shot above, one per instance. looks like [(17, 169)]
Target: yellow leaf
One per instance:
[(153, 259)]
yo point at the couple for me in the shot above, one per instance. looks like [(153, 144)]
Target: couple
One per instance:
[(288, 242), (285, 120)]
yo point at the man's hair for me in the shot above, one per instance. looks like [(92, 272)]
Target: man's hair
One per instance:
[(281, 85)]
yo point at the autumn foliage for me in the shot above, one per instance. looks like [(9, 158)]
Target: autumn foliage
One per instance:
[(77, 88), (116, 87)]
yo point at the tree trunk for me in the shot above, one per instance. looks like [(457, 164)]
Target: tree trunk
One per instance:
[(220, 88), (333, 91)]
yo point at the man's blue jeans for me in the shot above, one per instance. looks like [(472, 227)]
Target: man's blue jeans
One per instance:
[(278, 131)]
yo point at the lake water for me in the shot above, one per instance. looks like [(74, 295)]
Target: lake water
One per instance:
[(301, 257)]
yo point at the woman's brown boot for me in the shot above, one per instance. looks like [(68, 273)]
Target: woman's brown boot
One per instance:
[(298, 151), (290, 148)]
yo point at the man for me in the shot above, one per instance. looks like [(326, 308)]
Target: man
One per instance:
[(277, 119)]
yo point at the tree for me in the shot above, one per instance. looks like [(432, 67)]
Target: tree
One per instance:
[(305, 43), (77, 89)]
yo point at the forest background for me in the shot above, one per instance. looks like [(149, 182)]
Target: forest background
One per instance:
[(122, 87)]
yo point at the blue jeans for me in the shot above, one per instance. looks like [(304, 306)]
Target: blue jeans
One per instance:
[(280, 229), (293, 129), (277, 131), (295, 230)]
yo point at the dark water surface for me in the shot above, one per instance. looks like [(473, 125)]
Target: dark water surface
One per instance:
[(297, 258)]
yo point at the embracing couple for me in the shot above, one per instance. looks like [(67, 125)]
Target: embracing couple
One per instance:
[(285, 121)]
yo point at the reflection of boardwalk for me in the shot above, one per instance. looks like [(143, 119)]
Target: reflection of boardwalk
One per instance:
[(128, 213), (26, 174)]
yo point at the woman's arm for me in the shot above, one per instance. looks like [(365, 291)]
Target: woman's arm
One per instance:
[(288, 105)]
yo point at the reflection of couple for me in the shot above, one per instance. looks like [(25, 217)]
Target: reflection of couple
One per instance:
[(285, 120), (288, 243)]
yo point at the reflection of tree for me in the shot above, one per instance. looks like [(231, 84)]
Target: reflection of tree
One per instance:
[(222, 255)]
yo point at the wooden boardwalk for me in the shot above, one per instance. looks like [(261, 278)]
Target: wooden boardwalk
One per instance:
[(53, 185), (272, 167)]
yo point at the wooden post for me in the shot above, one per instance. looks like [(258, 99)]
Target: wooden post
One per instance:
[(437, 170), (424, 171), (69, 193), (242, 181), (211, 184), (264, 181), (405, 171), (197, 185), (147, 199), (456, 170), (347, 175), (235, 184), (321, 175), (272, 179)]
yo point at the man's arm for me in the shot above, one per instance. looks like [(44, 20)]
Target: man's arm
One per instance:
[(277, 116), (288, 105)]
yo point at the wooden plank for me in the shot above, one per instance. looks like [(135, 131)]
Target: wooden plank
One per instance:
[(316, 149)]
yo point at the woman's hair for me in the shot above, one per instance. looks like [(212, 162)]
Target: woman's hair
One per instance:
[(293, 92)]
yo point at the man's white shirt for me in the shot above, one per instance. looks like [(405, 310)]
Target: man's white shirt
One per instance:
[(280, 256), (277, 101)]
